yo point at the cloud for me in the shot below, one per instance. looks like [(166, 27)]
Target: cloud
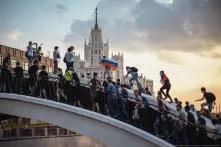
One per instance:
[(138, 26), (61, 7), (15, 35)]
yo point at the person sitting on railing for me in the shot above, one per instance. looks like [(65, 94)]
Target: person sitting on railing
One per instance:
[(95, 89), (6, 79), (190, 128), (18, 79), (77, 101), (112, 98), (43, 82), (166, 85), (217, 129), (60, 86), (33, 72)]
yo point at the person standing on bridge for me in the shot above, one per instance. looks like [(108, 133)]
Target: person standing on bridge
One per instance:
[(6, 79), (60, 86), (33, 72), (166, 85), (69, 58), (56, 57), (18, 79), (95, 89), (77, 101), (43, 82)]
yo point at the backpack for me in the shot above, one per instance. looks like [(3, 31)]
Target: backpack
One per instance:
[(134, 69), (68, 76)]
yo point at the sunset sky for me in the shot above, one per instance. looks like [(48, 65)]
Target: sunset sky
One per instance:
[(181, 37)]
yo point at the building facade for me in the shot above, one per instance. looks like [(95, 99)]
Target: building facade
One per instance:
[(146, 83), (94, 49), (19, 55)]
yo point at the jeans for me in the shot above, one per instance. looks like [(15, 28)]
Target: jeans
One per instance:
[(18, 85), (69, 65), (135, 78), (112, 105)]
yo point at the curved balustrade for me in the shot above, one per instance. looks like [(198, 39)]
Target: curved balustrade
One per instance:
[(151, 102)]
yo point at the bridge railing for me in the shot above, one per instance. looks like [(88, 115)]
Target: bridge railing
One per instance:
[(54, 78)]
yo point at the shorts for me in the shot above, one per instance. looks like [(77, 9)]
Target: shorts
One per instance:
[(95, 96), (32, 80)]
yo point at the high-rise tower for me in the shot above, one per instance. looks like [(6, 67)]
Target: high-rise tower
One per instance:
[(95, 48)]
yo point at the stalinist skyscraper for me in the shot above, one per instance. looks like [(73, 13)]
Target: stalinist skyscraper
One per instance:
[(94, 49)]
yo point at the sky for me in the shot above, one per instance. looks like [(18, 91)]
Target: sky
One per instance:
[(181, 37)]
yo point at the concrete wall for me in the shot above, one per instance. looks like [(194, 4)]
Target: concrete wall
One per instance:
[(105, 129), (71, 141)]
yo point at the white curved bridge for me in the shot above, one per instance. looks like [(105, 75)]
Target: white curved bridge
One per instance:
[(102, 128)]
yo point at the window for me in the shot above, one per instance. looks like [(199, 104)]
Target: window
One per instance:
[(91, 52), (25, 66), (13, 63), (1, 60), (99, 52), (95, 52), (50, 70)]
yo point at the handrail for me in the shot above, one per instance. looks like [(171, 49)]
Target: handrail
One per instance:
[(146, 102)]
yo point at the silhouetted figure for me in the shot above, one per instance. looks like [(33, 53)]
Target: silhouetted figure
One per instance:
[(33, 73), (43, 82), (95, 92), (166, 85), (69, 58), (56, 57), (19, 75), (210, 99)]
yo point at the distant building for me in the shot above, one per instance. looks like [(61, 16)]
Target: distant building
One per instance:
[(19, 55), (146, 83), (94, 50)]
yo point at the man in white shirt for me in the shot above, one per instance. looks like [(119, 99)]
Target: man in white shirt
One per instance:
[(56, 57)]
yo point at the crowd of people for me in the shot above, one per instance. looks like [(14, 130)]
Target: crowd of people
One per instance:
[(112, 98)]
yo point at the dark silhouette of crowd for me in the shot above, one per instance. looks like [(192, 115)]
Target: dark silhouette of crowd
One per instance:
[(111, 98)]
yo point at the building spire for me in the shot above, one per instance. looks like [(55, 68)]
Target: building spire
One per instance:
[(96, 24)]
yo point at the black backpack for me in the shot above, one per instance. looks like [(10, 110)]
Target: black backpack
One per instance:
[(134, 69), (210, 97)]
